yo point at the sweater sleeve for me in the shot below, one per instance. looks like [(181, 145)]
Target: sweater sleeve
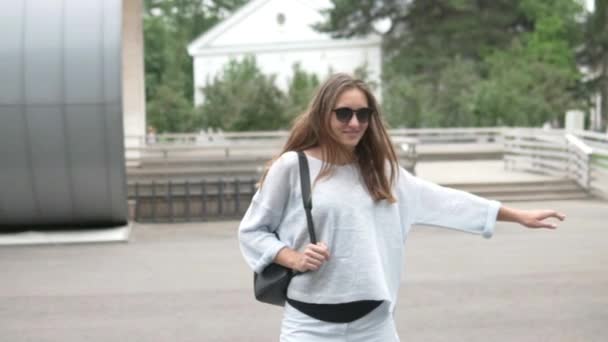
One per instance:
[(435, 205), (258, 242)]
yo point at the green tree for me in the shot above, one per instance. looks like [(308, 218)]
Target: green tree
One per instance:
[(442, 57), (242, 98), (594, 55), (170, 112), (523, 91), (414, 102), (169, 26), (302, 86), (425, 36), (535, 80)]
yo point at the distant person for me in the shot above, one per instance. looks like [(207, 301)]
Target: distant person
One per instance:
[(151, 135), (363, 204)]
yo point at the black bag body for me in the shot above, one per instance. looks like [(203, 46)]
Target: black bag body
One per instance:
[(270, 286)]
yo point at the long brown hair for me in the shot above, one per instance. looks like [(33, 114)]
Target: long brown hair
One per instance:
[(312, 128)]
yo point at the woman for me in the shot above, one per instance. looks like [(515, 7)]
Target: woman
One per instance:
[(363, 207)]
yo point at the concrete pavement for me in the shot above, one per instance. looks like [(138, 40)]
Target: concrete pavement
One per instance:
[(188, 282)]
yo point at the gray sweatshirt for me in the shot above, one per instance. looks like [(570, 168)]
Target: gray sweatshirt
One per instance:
[(366, 239)]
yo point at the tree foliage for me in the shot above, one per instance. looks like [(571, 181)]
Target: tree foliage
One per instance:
[(243, 98), (302, 86), (445, 63), (169, 111), (471, 62), (535, 79), (240, 98), (594, 55), (412, 102), (169, 26)]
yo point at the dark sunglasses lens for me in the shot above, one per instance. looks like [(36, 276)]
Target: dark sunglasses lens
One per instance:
[(363, 114), (344, 114)]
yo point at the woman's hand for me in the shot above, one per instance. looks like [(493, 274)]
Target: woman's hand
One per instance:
[(537, 218), (312, 258), (530, 218)]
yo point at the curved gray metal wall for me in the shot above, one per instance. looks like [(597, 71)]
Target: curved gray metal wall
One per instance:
[(61, 131)]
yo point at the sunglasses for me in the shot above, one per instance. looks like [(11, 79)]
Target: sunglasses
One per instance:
[(345, 114)]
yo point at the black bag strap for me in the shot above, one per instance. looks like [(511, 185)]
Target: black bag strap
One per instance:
[(306, 197)]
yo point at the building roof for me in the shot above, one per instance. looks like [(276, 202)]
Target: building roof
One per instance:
[(257, 27)]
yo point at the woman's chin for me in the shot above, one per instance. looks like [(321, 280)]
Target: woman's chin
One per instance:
[(350, 143)]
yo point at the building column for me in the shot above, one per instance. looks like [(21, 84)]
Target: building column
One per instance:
[(133, 86)]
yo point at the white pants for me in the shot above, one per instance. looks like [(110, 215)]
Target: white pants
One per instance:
[(377, 325)]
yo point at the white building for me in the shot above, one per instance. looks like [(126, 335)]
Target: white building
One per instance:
[(279, 34)]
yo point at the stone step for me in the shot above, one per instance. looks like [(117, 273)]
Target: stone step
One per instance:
[(510, 183), (541, 197), (519, 188), (526, 191)]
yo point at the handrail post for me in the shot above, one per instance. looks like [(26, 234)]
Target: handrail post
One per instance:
[(587, 171), (580, 148), (570, 150)]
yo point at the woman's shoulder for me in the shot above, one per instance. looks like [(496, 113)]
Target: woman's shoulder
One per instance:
[(288, 158), (286, 161)]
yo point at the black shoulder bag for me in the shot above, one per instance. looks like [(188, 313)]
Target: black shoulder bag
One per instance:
[(270, 286)]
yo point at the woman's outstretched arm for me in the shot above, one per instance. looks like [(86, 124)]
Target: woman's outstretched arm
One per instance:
[(530, 218)]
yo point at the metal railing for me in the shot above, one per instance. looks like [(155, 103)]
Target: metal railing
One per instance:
[(208, 176), (530, 150), (422, 135), (599, 172), (242, 158), (579, 167), (562, 154), (175, 201), (450, 135), (187, 182), (598, 142)]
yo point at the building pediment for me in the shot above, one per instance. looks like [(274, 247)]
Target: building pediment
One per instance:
[(270, 24)]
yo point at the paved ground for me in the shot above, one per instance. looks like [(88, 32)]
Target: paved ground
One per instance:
[(188, 283)]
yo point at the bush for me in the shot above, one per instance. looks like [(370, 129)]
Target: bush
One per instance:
[(242, 98), (169, 111)]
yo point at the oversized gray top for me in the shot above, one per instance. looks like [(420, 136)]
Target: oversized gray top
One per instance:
[(366, 239)]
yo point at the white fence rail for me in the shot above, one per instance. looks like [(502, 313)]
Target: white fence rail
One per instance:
[(579, 155), (579, 167), (529, 151), (423, 135), (229, 144), (576, 155), (184, 159)]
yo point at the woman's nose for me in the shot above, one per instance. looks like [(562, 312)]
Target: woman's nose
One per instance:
[(354, 121)]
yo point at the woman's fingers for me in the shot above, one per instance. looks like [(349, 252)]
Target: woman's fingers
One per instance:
[(552, 213), (320, 248), (538, 218), (559, 216), (546, 225), (548, 214), (315, 256), (314, 265)]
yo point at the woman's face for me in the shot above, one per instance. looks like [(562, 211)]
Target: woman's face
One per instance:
[(350, 130)]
